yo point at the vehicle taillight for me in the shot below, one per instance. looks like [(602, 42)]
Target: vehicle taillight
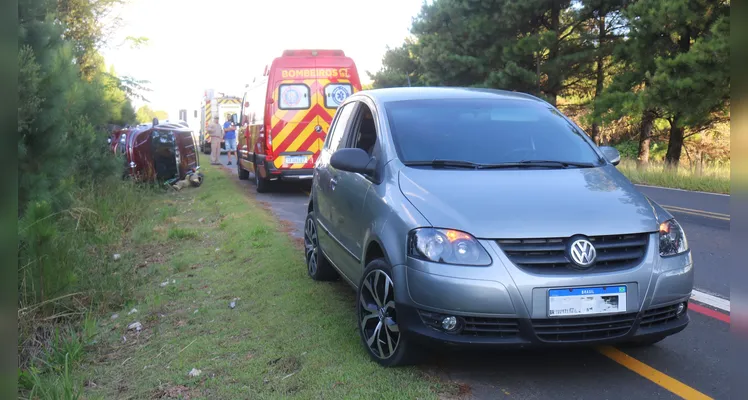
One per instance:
[(269, 146)]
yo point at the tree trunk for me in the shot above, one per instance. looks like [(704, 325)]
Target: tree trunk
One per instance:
[(675, 145), (554, 75), (645, 133), (600, 72)]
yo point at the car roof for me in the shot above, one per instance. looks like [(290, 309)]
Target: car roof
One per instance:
[(423, 93)]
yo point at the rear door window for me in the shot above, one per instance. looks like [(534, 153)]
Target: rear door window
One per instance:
[(336, 93), (293, 96)]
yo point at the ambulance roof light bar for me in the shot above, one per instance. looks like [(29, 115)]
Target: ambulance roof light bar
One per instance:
[(313, 53)]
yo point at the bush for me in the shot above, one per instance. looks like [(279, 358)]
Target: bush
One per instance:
[(628, 149), (69, 251)]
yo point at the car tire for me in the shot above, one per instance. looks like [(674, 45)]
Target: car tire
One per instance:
[(377, 314), (243, 173), (263, 185), (318, 267)]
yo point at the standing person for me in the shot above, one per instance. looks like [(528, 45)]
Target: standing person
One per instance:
[(216, 137), (229, 136)]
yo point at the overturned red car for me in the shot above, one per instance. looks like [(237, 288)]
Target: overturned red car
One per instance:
[(158, 151)]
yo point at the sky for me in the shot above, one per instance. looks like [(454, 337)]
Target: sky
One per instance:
[(223, 44)]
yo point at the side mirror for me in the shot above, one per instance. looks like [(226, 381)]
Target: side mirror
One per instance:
[(234, 119), (612, 154), (353, 160), (155, 121)]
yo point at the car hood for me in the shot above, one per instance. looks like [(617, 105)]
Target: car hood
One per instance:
[(529, 203)]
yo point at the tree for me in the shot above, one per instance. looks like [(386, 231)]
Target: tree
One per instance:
[(85, 29), (693, 84), (62, 115), (399, 68), (145, 114), (676, 67), (550, 54), (534, 46), (458, 42), (604, 29)]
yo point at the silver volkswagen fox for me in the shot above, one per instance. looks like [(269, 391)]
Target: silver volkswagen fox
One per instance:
[(485, 217)]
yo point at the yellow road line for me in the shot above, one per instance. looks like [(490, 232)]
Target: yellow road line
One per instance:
[(673, 385), (707, 214), (700, 211)]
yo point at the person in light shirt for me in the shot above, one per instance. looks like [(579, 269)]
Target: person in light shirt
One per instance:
[(215, 131)]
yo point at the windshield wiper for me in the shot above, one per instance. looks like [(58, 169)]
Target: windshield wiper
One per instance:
[(538, 163), (438, 163)]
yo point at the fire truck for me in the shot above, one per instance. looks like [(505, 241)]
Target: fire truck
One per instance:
[(216, 104)]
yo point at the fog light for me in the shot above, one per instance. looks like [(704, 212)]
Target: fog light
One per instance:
[(681, 308), (449, 323)]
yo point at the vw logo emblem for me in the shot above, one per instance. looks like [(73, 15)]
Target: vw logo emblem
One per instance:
[(582, 253)]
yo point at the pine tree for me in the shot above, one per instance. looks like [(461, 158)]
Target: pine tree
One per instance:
[(676, 68), (400, 67)]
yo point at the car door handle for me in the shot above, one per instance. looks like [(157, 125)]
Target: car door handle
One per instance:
[(333, 182)]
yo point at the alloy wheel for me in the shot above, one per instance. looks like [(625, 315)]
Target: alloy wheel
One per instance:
[(311, 246), (378, 315)]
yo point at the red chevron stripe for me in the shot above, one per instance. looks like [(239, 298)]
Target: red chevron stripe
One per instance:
[(310, 141), (288, 117), (313, 112), (326, 117)]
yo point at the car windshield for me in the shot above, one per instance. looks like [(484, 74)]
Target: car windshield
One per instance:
[(485, 132)]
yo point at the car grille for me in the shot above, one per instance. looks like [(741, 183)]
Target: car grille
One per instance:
[(541, 255), (659, 316), (584, 328), (476, 326)]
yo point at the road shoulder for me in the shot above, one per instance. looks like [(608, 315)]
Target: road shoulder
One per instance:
[(285, 336)]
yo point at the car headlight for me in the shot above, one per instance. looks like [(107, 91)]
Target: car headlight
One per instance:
[(446, 246), (672, 239)]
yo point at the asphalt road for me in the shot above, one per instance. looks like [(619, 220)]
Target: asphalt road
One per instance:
[(692, 364), (706, 219)]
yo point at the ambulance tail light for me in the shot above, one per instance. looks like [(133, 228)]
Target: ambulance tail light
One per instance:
[(268, 144)]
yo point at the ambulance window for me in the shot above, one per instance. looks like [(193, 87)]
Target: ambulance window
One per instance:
[(293, 97), (335, 93)]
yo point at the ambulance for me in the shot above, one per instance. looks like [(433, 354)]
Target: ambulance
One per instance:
[(286, 114), (221, 105)]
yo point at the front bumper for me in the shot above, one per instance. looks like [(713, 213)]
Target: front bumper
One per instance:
[(658, 322), (504, 305)]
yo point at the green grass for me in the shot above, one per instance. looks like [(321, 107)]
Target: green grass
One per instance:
[(287, 337), (711, 179), (68, 275)]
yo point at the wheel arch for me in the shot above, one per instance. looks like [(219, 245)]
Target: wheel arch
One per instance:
[(375, 249)]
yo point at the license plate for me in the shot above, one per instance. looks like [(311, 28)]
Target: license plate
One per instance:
[(295, 159), (586, 301)]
